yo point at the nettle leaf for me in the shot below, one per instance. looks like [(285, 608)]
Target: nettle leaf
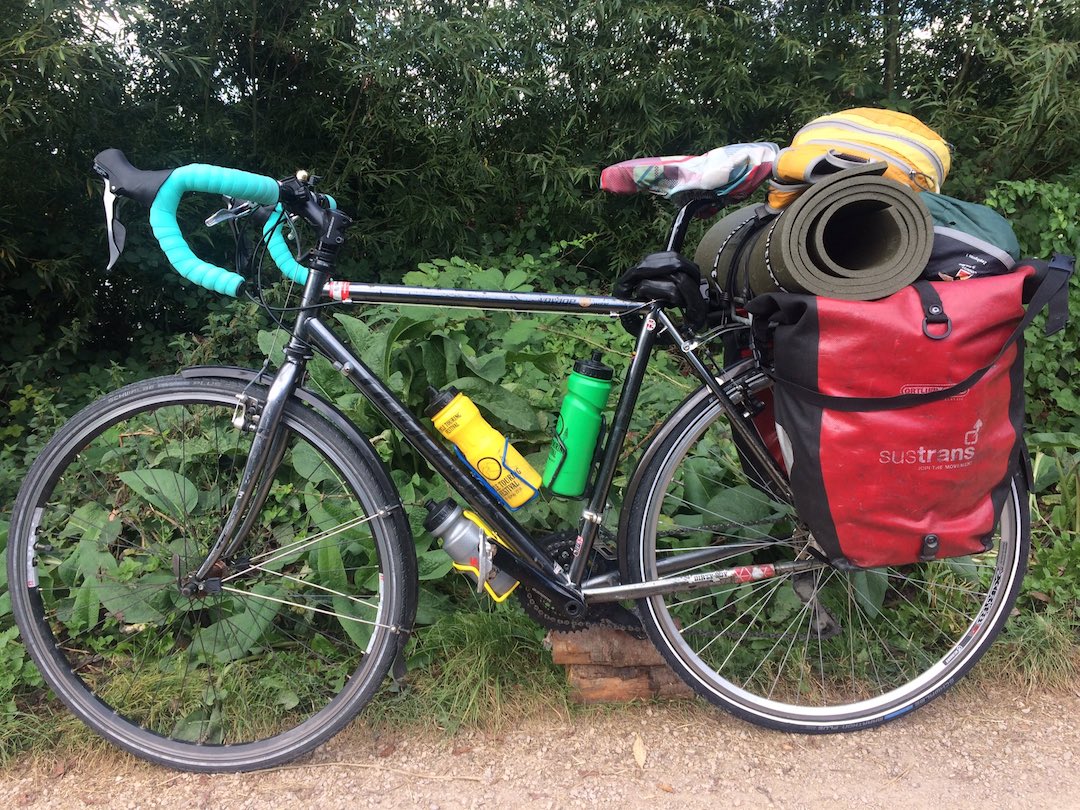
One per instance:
[(354, 617), (784, 604), (694, 488), (309, 465), (272, 344), (329, 565), (433, 564), (84, 613), (870, 587), (287, 699), (92, 521), (355, 329), (547, 362), (234, 637), (431, 606), (408, 332), (434, 362), (741, 505), (167, 491), (370, 343), (490, 367), (506, 405), (488, 279), (515, 278), (359, 631), (201, 726), (965, 568), (130, 602), (519, 333), (91, 559)]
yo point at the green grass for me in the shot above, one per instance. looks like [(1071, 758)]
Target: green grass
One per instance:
[(481, 669), (1035, 651)]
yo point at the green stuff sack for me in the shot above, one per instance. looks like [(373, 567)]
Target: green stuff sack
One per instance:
[(970, 240), (915, 155)]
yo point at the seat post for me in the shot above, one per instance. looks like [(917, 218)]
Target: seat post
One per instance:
[(683, 219)]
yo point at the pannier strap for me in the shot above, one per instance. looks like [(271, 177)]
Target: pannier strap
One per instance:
[(1053, 290), (933, 311)]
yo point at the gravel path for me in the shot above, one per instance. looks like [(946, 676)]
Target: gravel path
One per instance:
[(969, 750)]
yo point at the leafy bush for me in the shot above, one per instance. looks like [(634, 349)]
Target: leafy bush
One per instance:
[(1046, 218)]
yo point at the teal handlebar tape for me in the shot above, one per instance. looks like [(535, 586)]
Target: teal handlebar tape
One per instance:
[(278, 249), (212, 180)]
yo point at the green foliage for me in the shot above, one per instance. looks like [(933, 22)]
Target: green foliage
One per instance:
[(480, 668), (513, 367), (478, 130), (1046, 217), (18, 675), (1055, 511)]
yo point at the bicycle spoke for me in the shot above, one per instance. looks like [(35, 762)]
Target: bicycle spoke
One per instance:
[(297, 615), (823, 646)]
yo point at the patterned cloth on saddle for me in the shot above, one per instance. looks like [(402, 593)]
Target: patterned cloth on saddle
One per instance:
[(733, 172)]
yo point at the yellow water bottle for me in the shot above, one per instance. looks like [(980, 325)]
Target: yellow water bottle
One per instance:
[(494, 460)]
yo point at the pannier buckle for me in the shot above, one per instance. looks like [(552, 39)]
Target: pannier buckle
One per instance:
[(936, 314)]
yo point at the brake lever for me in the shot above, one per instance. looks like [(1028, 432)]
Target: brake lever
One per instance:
[(234, 210), (116, 233)]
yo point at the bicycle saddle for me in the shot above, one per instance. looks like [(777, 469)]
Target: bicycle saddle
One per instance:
[(732, 172)]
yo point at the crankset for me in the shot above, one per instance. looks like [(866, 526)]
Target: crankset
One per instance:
[(539, 608)]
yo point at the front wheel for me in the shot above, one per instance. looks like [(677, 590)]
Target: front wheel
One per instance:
[(817, 651), (299, 627)]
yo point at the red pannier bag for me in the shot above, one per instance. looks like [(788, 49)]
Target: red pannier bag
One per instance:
[(901, 420)]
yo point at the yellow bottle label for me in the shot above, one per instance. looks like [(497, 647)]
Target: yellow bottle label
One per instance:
[(488, 451)]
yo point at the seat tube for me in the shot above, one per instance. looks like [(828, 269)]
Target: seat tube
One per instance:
[(594, 514)]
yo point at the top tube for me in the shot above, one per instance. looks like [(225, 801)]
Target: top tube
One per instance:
[(358, 293)]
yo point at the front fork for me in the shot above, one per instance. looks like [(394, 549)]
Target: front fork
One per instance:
[(267, 450)]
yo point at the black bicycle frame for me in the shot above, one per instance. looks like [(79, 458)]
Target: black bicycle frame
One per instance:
[(520, 556)]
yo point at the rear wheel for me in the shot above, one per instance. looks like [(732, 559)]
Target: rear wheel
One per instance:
[(818, 651), (299, 628)]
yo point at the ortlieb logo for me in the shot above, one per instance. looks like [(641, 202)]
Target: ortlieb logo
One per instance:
[(929, 389), (936, 456)]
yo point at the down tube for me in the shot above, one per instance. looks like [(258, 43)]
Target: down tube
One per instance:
[(533, 566)]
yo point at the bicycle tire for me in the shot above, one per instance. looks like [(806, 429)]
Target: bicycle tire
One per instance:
[(833, 652), (309, 616)]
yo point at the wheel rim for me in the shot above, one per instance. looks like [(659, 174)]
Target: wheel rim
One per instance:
[(300, 619), (821, 648)]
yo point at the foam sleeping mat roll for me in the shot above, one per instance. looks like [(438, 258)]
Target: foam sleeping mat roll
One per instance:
[(854, 235), (724, 245)]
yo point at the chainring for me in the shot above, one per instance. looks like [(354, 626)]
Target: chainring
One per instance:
[(540, 609)]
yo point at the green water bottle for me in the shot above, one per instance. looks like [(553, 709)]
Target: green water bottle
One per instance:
[(578, 428)]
